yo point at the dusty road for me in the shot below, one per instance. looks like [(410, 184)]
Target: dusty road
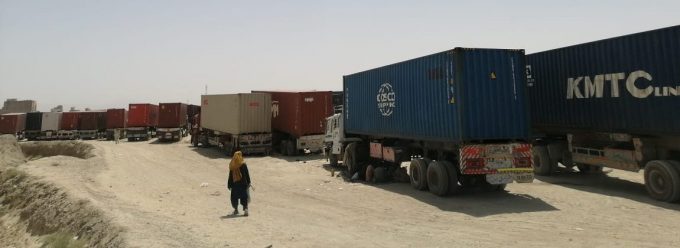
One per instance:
[(154, 191)]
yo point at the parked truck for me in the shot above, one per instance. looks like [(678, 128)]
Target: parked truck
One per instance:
[(92, 125), (337, 102), (610, 103), (68, 126), (50, 125), (33, 125), (116, 119), (142, 121), (459, 116), (192, 112), (14, 124), (172, 121), (235, 122), (298, 120)]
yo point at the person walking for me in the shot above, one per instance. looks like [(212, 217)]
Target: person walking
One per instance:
[(116, 135), (238, 183)]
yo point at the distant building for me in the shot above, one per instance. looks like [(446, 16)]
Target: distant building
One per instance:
[(58, 108), (12, 105)]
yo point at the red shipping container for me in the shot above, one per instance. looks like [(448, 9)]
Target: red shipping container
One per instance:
[(172, 115), (300, 113), (142, 115), (12, 123), (116, 118), (69, 121), (92, 120)]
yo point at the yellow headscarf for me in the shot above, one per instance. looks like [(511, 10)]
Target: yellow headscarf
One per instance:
[(235, 166)]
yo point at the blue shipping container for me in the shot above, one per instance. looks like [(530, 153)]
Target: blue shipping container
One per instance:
[(628, 84), (456, 96)]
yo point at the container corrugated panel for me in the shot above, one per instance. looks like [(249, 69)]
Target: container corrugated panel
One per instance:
[(33, 121), (142, 115), (70, 121), (628, 84), (50, 121), (172, 115), (300, 113), (237, 113), (116, 118), (458, 95), (92, 120), (12, 123)]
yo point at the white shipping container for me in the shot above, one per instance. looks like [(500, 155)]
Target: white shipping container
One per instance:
[(51, 121), (237, 113)]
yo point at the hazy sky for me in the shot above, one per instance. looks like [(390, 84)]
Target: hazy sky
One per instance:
[(103, 54)]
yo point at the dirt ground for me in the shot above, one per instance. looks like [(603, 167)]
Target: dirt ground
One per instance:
[(174, 195)]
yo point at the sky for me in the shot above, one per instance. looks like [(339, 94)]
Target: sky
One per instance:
[(107, 54)]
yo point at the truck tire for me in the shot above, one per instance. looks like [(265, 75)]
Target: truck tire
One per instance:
[(543, 165), (350, 159), (662, 180), (418, 173), (454, 184), (380, 174), (437, 178)]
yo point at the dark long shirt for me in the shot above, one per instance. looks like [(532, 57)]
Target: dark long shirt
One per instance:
[(245, 178)]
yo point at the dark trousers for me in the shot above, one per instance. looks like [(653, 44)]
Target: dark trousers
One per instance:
[(239, 193)]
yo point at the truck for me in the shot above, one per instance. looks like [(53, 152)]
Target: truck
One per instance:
[(172, 121), (298, 120), (68, 126), (235, 122), (14, 124), (337, 102), (50, 125), (33, 125), (610, 103), (192, 112), (142, 121), (116, 118), (92, 125), (459, 118)]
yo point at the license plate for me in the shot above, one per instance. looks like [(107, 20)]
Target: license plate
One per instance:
[(498, 163), (524, 178)]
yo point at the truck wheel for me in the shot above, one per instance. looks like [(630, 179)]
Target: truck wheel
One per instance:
[(380, 175), (437, 178), (418, 173), (454, 184), (543, 165), (350, 159), (662, 180)]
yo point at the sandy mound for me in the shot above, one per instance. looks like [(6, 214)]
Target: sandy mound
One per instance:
[(47, 210), (10, 151), (41, 149)]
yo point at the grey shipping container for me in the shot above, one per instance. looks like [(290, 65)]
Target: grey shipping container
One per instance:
[(237, 113), (454, 96), (50, 121), (627, 84)]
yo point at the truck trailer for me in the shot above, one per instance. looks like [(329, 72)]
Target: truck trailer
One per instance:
[(142, 121), (14, 124), (298, 120), (459, 116), (610, 103), (33, 125), (235, 122), (92, 125), (116, 119), (51, 122), (172, 121), (68, 126)]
